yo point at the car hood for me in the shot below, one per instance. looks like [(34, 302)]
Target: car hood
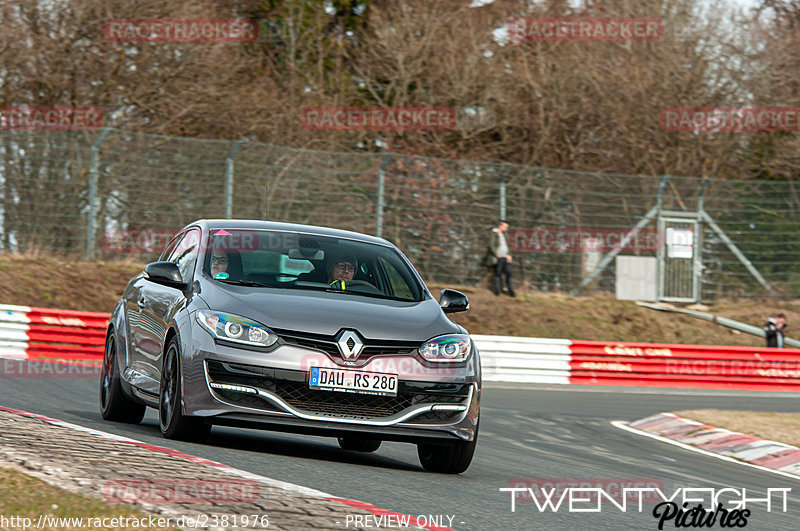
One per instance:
[(320, 312)]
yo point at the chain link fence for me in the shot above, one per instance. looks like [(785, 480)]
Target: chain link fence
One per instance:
[(106, 192)]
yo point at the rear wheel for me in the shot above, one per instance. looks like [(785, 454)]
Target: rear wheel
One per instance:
[(114, 404), (173, 423), (359, 445), (453, 458)]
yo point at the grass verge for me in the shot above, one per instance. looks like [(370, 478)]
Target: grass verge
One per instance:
[(23, 496), (780, 427)]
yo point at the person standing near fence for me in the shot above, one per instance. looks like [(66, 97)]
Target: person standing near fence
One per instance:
[(498, 258), (774, 330)]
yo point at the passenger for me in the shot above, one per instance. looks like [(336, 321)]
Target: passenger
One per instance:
[(219, 263), (341, 271)]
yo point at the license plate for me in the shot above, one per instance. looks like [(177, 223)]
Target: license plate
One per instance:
[(347, 381)]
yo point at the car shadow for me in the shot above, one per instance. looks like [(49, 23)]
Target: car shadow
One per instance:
[(255, 441), (317, 448)]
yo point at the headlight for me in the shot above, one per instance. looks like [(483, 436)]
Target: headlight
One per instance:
[(452, 347), (229, 327)]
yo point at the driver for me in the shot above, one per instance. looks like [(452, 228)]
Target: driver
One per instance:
[(341, 271)]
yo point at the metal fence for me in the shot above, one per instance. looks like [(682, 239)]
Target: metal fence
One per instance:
[(71, 190)]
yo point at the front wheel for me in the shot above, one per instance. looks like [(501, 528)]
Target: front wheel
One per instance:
[(114, 404), (359, 445), (173, 423), (453, 458)]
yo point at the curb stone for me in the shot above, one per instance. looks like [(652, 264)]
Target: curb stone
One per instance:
[(761, 452), (82, 460)]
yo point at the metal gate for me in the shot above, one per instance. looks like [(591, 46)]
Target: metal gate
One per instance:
[(679, 257)]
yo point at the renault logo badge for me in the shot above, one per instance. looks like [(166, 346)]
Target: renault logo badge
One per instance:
[(350, 345)]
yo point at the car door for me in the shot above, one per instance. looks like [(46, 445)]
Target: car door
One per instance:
[(156, 306), (137, 326)]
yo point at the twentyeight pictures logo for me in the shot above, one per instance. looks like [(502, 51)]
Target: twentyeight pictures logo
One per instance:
[(181, 30), (586, 29), (680, 508)]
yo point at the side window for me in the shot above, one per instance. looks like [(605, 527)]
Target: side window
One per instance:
[(400, 287), (184, 254), (170, 246)]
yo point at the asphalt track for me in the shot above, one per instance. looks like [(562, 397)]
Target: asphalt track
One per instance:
[(526, 432)]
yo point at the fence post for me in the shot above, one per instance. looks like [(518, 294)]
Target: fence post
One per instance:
[(503, 190), (698, 258), (229, 179), (379, 205), (94, 175)]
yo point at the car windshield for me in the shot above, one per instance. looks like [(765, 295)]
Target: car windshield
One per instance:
[(291, 260)]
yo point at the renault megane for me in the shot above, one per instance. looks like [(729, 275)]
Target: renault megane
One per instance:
[(294, 328)]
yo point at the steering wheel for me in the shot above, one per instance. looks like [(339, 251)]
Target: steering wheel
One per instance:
[(359, 284)]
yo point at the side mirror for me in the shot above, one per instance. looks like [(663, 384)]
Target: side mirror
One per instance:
[(165, 273), (452, 301)]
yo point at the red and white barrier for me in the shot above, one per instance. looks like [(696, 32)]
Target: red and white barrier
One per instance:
[(670, 365), (42, 333), (564, 361)]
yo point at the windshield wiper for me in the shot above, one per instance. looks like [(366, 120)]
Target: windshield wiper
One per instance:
[(328, 289), (244, 283)]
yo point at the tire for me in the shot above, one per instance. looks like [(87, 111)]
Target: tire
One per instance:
[(173, 423), (453, 458), (359, 445), (114, 404)]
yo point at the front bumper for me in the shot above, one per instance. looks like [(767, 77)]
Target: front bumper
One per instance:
[(231, 386)]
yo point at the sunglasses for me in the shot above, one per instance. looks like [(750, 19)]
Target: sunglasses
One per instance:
[(221, 260)]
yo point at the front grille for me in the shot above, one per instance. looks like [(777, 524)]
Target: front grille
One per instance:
[(292, 387), (327, 344)]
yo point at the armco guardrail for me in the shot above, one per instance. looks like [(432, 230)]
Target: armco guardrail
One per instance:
[(42, 333)]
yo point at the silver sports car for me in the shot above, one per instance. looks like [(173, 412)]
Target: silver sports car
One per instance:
[(294, 328)]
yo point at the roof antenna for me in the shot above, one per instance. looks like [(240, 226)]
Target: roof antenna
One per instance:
[(266, 203)]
